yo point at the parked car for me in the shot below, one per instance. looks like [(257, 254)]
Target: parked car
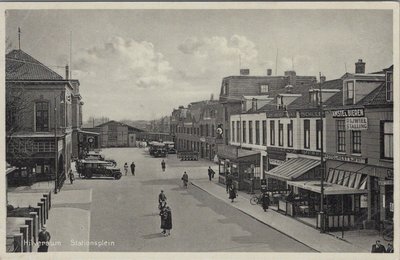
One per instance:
[(98, 157), (90, 168)]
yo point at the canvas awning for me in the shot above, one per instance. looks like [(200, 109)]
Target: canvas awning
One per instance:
[(293, 168), (88, 132), (329, 188)]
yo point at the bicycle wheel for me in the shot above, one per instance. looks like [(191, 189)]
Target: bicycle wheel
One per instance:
[(254, 200), (388, 235)]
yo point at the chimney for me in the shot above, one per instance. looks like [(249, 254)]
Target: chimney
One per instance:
[(360, 66), (269, 72), (292, 77), (322, 79), (244, 72), (67, 72)]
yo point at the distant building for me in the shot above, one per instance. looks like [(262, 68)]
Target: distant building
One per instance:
[(117, 134)]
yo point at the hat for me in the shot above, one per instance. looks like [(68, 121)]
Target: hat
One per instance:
[(44, 227)]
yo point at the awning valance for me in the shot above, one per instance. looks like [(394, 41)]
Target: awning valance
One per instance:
[(88, 132), (329, 188), (293, 168)]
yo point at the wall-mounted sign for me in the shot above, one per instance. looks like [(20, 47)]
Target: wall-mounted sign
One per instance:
[(343, 157), (281, 114), (276, 162), (356, 123), (363, 201), (310, 113), (354, 112)]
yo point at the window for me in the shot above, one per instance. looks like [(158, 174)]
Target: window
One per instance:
[(280, 133), (341, 135), (387, 140), (356, 138), (244, 132), (250, 132), (257, 132), (264, 132), (350, 92), (307, 134), (238, 131), (233, 131), (254, 104), (42, 116), (272, 132), (264, 89), (290, 134), (319, 134), (225, 89), (389, 86)]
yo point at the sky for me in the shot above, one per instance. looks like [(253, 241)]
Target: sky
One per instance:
[(141, 64)]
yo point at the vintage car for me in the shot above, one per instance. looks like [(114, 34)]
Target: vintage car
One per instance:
[(91, 168), (98, 157)]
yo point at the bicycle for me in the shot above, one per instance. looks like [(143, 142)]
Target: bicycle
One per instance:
[(387, 233), (255, 199)]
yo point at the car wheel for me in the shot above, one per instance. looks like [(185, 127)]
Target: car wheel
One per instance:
[(117, 176)]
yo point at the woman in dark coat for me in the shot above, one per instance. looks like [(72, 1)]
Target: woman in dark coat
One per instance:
[(265, 201), (163, 215), (232, 192), (166, 221)]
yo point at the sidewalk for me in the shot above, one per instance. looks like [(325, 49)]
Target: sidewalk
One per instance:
[(287, 225)]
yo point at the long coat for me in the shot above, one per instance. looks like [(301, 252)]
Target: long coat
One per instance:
[(265, 201), (166, 219), (232, 192)]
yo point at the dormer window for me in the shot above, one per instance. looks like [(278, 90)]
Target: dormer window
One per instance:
[(264, 89), (349, 99), (389, 86), (254, 104), (225, 89)]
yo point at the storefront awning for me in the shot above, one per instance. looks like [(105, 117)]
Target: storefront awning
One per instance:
[(293, 168), (88, 132), (235, 153), (329, 188)]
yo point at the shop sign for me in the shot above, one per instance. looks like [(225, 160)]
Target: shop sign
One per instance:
[(339, 157), (355, 112), (310, 113), (364, 201), (360, 123), (385, 182), (276, 162), (281, 114)]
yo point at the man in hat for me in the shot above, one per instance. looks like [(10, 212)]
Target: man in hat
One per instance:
[(378, 247), (44, 239)]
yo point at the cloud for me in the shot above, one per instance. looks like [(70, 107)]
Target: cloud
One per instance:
[(216, 56), (125, 62)]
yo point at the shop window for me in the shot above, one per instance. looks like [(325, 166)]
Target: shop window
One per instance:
[(387, 140), (264, 132), (290, 134), (356, 141), (250, 132), (307, 134), (244, 132), (319, 134), (341, 135), (272, 132), (280, 133), (257, 132), (42, 116)]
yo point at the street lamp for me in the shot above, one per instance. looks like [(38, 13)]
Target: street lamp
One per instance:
[(322, 213), (56, 144)]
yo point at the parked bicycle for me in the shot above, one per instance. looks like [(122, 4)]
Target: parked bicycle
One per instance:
[(256, 199), (387, 232)]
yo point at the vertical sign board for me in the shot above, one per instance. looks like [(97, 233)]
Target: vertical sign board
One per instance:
[(356, 123)]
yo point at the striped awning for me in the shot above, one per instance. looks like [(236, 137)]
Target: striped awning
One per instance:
[(293, 168)]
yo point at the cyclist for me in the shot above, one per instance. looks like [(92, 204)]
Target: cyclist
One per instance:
[(162, 200), (185, 179)]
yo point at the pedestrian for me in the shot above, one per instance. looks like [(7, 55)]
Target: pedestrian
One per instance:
[(210, 173), (126, 168), (389, 248), (378, 247), (163, 165), (265, 201), (71, 177), (161, 199), (44, 239), (228, 181), (168, 221), (185, 179), (133, 168), (163, 219), (232, 192)]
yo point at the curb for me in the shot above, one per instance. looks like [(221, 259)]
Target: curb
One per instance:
[(274, 228)]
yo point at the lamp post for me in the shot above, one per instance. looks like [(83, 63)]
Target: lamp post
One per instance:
[(322, 212)]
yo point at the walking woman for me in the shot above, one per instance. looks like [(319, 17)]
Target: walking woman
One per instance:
[(126, 168), (232, 192), (168, 222)]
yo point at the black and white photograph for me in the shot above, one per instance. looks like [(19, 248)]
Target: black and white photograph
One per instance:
[(200, 128)]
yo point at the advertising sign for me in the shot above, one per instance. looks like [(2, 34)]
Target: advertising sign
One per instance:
[(354, 112), (356, 123)]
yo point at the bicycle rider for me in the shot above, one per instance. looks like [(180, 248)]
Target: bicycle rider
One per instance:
[(185, 179), (162, 199)]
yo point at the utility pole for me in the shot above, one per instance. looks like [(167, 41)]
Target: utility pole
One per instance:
[(19, 38), (322, 212), (55, 146)]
